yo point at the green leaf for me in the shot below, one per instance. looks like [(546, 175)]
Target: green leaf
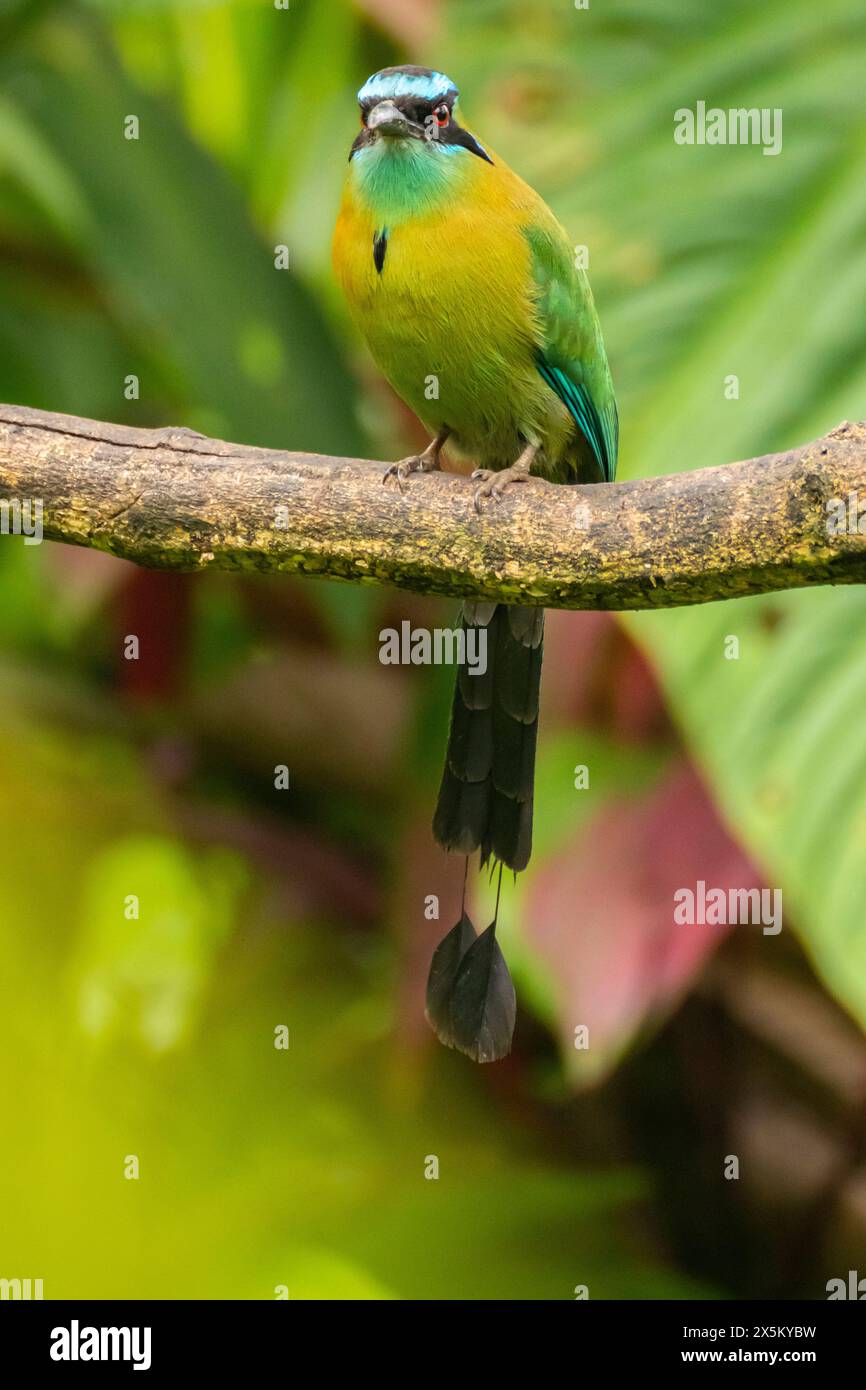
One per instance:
[(168, 238), (709, 262)]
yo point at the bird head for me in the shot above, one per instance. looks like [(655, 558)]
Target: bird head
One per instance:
[(409, 103)]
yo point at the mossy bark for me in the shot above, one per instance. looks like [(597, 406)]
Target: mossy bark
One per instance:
[(170, 499)]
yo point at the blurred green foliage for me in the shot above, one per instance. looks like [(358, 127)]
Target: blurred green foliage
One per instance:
[(708, 262)]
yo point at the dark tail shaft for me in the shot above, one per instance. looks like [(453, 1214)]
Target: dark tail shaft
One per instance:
[(485, 800)]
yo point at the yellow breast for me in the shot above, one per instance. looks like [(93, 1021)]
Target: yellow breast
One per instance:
[(450, 318)]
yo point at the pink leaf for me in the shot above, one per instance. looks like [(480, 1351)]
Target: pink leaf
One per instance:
[(601, 912)]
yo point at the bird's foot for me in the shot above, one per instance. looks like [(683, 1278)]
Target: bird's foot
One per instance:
[(492, 483), (415, 463), (426, 462)]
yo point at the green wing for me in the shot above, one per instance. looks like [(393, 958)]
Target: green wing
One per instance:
[(572, 359)]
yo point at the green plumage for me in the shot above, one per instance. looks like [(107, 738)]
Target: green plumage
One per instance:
[(465, 287), (572, 359)]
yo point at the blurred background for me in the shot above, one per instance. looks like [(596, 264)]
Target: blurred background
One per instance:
[(304, 1168)]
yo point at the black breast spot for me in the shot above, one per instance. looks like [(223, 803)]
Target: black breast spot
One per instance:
[(380, 247)]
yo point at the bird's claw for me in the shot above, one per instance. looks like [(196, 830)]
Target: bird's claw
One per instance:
[(492, 483), (415, 463), (400, 472)]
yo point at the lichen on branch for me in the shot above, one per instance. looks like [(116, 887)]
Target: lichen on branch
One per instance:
[(171, 499)]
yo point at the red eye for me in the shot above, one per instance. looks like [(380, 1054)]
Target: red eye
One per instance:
[(442, 114)]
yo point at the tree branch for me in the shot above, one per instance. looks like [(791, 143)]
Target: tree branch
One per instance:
[(169, 499)]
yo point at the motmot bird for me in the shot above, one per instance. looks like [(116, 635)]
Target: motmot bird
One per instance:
[(457, 272)]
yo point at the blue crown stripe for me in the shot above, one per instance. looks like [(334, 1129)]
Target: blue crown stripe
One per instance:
[(406, 84)]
